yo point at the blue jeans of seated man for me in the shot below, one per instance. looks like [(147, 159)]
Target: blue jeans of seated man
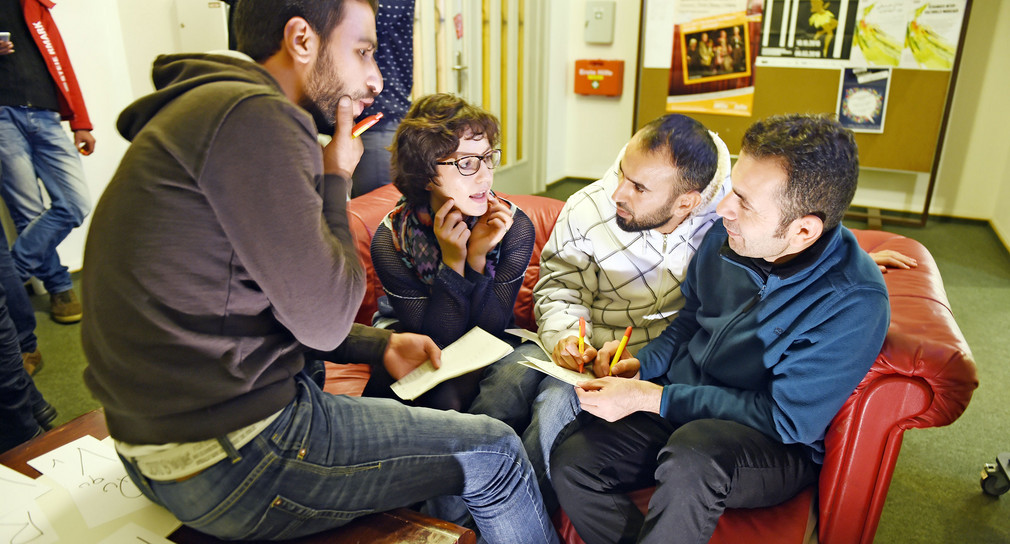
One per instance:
[(19, 306), (555, 408), (34, 146), (537, 406), (328, 459)]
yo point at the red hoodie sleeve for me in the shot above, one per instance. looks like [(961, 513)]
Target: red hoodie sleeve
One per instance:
[(50, 43)]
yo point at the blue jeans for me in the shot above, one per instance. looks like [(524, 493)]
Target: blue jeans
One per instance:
[(328, 459), (537, 406), (19, 306), (555, 407), (34, 146)]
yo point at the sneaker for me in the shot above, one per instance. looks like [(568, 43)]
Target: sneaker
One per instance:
[(32, 361), (45, 414), (64, 307)]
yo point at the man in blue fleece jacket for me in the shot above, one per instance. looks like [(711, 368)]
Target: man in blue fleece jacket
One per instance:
[(728, 407)]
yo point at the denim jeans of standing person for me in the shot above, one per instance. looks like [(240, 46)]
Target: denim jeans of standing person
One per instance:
[(327, 459), (34, 146), (18, 394), (19, 306)]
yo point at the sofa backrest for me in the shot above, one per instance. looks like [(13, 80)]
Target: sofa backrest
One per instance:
[(367, 211)]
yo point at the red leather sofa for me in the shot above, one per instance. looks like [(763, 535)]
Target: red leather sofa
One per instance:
[(923, 377)]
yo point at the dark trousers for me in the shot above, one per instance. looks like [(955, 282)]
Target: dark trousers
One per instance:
[(19, 306), (699, 469), (18, 394)]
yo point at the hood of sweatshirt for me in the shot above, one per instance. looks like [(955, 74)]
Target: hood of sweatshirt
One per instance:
[(175, 75), (717, 188)]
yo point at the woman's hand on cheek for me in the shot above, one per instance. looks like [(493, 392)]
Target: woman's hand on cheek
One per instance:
[(490, 228), (452, 235)]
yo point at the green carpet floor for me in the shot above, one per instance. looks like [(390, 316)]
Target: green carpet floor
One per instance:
[(934, 496)]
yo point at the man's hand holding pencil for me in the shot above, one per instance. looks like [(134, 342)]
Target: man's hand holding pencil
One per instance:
[(566, 354), (625, 365)]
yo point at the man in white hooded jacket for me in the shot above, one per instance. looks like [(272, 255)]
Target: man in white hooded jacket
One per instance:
[(616, 257), (621, 245)]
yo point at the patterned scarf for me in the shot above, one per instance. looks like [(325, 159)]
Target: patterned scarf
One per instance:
[(414, 240)]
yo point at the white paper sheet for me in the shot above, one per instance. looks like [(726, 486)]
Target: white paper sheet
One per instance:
[(95, 478), (561, 373), (27, 524), (131, 533), (475, 349), (17, 490), (531, 337)]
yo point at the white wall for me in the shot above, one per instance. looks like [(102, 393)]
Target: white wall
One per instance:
[(586, 132), (92, 33), (111, 44), (974, 176), (1001, 214)]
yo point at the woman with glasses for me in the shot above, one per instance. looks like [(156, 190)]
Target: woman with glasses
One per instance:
[(452, 255)]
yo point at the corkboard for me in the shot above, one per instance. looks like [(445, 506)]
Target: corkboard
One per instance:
[(915, 110)]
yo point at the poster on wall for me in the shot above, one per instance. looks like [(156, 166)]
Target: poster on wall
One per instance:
[(880, 33), (712, 56), (807, 33), (862, 98), (933, 33)]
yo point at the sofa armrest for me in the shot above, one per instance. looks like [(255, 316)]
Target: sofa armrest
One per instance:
[(924, 376)]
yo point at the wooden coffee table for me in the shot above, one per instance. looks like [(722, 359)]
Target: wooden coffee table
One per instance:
[(396, 526)]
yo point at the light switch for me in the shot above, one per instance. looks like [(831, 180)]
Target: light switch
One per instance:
[(600, 21)]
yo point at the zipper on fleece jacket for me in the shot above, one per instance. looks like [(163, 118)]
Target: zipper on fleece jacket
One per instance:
[(717, 338)]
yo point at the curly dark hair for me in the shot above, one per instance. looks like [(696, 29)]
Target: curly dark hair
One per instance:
[(258, 25), (821, 162), (430, 132)]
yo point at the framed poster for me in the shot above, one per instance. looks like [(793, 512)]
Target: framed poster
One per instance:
[(712, 59), (862, 98)]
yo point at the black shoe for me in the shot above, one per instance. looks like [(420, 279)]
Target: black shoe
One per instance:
[(45, 414)]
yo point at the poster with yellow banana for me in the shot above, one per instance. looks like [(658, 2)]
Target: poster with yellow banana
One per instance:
[(915, 34), (932, 34), (919, 34)]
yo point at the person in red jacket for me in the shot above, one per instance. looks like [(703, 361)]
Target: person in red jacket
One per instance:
[(38, 90)]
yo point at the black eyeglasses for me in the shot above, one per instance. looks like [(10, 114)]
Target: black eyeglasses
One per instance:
[(470, 164)]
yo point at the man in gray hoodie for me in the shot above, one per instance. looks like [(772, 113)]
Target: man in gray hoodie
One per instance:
[(219, 260)]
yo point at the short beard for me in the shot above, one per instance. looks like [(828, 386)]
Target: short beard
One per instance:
[(638, 226), (322, 95), (650, 222)]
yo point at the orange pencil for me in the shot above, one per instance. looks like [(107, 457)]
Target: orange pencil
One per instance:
[(365, 124)]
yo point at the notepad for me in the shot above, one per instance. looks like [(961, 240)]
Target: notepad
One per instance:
[(475, 349), (549, 367), (559, 372)]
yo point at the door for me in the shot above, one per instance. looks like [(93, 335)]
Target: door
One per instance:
[(484, 51)]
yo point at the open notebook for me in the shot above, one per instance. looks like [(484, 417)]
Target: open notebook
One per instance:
[(549, 367)]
